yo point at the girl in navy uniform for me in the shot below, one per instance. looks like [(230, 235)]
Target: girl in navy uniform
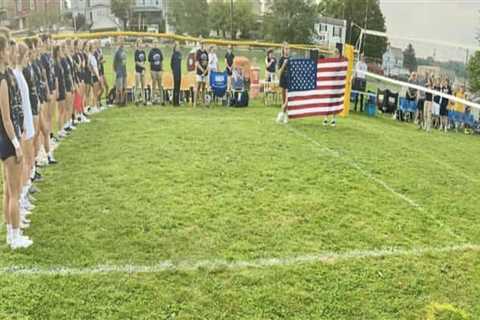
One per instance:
[(283, 71), (65, 114), (101, 72), (48, 66), (11, 128), (60, 84)]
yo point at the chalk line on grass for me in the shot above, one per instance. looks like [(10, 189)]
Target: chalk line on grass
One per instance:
[(373, 178), (227, 265)]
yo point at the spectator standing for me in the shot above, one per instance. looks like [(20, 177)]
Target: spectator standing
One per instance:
[(201, 67), (360, 81), (445, 88), (427, 107), (283, 65), (229, 58), (140, 59), (120, 67), (412, 94), (176, 65), (155, 57)]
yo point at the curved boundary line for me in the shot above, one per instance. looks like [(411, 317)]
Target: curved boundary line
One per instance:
[(227, 265)]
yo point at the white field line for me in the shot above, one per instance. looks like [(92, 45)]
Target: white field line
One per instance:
[(373, 178), (219, 264)]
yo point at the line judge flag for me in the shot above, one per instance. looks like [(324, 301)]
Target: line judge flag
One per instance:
[(316, 87)]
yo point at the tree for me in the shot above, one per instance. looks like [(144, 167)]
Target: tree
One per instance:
[(245, 20), (219, 17), (290, 20), (360, 12), (473, 70), (190, 17), (121, 9), (409, 58)]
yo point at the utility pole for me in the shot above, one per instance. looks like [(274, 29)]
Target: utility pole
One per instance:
[(231, 20)]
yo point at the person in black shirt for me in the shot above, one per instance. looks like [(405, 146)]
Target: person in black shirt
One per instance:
[(445, 88), (64, 122), (271, 66), (48, 67), (427, 106), (176, 65), (60, 85), (155, 57), (10, 149), (229, 58), (102, 81), (283, 71), (140, 59), (436, 103), (201, 66)]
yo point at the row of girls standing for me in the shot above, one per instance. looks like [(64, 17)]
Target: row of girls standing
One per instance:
[(39, 79)]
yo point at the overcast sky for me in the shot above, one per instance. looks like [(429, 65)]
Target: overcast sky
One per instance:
[(456, 21)]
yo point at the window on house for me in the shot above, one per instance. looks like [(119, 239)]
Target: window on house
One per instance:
[(323, 27), (337, 31)]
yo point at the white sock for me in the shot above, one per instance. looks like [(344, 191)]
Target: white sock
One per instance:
[(9, 231), (15, 233), (50, 154)]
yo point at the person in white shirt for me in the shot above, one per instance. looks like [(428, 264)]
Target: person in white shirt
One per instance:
[(93, 66), (212, 59), (28, 135), (360, 80)]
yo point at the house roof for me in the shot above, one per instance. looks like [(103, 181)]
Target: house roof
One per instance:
[(397, 52), (333, 21)]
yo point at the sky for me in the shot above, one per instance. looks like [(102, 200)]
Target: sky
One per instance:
[(453, 21)]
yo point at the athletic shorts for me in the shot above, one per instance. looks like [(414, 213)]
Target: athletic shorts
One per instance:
[(121, 83), (6, 147), (202, 79), (34, 104), (157, 75), (61, 94)]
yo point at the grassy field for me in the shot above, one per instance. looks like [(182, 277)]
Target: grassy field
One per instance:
[(181, 213)]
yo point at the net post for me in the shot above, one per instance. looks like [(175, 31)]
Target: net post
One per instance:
[(349, 54)]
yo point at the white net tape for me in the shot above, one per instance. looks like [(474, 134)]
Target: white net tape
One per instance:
[(434, 92)]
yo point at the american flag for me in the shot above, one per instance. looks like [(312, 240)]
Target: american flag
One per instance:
[(316, 87)]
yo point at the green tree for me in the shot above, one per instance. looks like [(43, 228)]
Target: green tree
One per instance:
[(359, 12), (290, 20), (219, 17), (121, 9), (190, 17), (473, 70), (409, 58), (245, 20)]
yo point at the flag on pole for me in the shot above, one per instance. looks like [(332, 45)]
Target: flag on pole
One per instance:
[(316, 87)]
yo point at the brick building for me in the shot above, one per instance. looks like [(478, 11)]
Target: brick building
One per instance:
[(18, 14)]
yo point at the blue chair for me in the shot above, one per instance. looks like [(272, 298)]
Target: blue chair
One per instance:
[(219, 83)]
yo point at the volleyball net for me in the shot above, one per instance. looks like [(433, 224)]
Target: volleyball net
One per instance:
[(439, 53)]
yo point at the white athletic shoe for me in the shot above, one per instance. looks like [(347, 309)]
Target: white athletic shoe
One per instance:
[(24, 225), (85, 119), (26, 204), (24, 213), (18, 241), (285, 118)]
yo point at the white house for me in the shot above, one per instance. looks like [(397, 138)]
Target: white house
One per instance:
[(98, 14), (330, 31), (392, 62), (150, 14)]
